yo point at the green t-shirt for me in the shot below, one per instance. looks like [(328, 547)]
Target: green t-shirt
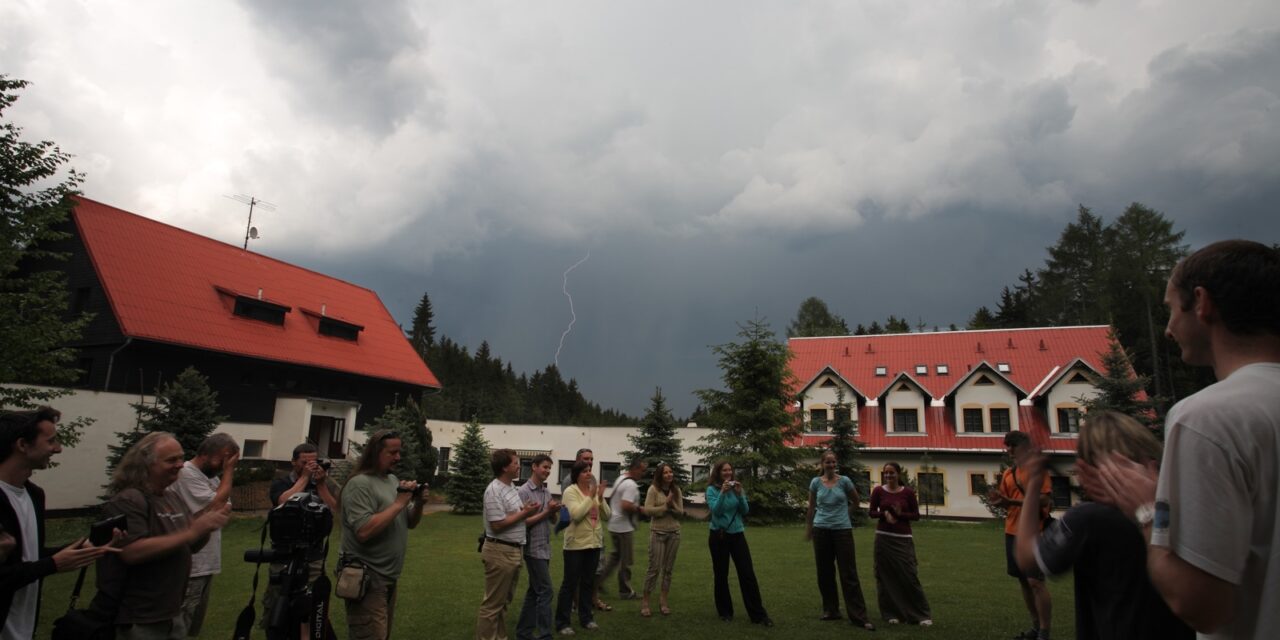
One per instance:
[(364, 496)]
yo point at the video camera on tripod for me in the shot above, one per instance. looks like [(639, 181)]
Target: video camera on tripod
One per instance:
[(299, 529)]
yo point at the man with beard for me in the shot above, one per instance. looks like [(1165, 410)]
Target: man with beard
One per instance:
[(205, 483)]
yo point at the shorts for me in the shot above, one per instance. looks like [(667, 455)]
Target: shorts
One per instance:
[(1011, 562)]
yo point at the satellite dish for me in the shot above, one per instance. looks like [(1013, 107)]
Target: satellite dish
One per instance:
[(253, 233)]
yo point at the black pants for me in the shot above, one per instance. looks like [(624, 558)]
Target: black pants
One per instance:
[(579, 581), (734, 545), (833, 548)]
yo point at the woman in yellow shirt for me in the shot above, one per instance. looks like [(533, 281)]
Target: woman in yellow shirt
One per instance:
[(583, 539)]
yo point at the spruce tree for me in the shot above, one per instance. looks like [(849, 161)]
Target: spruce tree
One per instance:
[(421, 334), (751, 425), (1119, 388), (186, 407), (813, 318), (469, 471), (844, 444), (656, 440), (417, 456)]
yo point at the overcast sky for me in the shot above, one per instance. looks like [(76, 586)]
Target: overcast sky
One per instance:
[(719, 160)]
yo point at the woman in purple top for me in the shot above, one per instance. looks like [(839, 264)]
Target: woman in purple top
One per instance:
[(897, 586)]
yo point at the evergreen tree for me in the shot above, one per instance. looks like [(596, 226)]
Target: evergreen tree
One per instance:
[(186, 407), (469, 471), (656, 440), (875, 329), (896, 325), (417, 456), (981, 319), (750, 423), (35, 327), (815, 319), (1073, 282), (422, 335), (843, 442), (1120, 389)]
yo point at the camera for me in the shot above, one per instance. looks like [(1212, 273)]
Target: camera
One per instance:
[(300, 523), (299, 530), (327, 465), (417, 488)]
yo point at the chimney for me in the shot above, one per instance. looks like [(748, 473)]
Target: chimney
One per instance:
[(1042, 347), (1011, 344), (980, 348), (259, 293), (322, 309), (846, 352)]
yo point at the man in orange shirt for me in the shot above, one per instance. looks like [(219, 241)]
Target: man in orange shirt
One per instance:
[(1009, 495)]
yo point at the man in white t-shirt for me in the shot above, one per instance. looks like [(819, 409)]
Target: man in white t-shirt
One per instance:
[(204, 483), (28, 439), (625, 506), (1211, 512)]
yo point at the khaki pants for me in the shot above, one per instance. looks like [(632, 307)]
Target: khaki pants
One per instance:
[(195, 603), (663, 546), (370, 618), (501, 572)]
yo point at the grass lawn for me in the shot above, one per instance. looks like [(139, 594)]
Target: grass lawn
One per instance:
[(961, 567)]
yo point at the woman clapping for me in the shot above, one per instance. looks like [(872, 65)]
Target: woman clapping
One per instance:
[(663, 504)]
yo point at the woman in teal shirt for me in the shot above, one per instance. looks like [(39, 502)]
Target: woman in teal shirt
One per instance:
[(827, 524), (728, 503)]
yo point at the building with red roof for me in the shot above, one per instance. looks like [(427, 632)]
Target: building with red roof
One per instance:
[(293, 354), (940, 403)]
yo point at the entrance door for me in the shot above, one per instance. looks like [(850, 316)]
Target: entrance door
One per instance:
[(329, 435)]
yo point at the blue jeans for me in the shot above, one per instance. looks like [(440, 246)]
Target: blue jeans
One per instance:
[(535, 615)]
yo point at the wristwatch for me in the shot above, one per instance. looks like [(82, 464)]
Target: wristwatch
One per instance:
[(1145, 513)]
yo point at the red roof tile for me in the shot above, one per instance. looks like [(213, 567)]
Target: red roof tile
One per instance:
[(169, 285)]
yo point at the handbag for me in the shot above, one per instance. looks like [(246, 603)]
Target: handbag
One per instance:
[(353, 581), (83, 624)]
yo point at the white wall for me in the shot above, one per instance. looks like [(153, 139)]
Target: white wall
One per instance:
[(1067, 394), (971, 395)]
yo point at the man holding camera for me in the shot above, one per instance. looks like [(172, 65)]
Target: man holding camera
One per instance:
[(28, 439), (378, 510), (205, 483), (309, 474)]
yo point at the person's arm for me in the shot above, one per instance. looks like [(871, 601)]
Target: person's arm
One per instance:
[(912, 512), (1200, 599), (714, 503), (303, 479), (808, 514), (145, 549), (358, 504), (654, 504), (416, 506), (873, 506), (578, 504), (676, 501), (552, 509), (511, 518), (325, 491)]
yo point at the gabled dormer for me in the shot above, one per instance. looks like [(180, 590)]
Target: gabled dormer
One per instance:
[(986, 402), (1064, 392), (820, 399), (904, 401)]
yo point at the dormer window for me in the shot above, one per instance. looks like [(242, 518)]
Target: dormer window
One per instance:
[(922, 370), (333, 327)]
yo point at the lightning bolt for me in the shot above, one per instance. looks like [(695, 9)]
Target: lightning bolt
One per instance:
[(573, 316)]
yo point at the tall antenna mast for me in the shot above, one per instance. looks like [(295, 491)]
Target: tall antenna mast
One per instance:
[(250, 231)]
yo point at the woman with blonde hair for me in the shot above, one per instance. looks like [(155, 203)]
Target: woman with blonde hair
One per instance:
[(828, 525), (663, 503), (1104, 547)]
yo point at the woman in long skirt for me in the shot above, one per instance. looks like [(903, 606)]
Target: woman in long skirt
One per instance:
[(897, 585)]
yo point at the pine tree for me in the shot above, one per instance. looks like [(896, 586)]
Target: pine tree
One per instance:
[(469, 471), (417, 456), (35, 329), (186, 407), (843, 442), (750, 424), (656, 440), (1119, 388), (422, 335)]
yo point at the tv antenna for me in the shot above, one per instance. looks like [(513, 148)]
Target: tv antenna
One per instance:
[(250, 231)]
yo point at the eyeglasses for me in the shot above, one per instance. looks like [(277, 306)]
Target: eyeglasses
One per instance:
[(390, 435)]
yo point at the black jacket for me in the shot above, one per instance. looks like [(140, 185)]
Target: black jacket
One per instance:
[(14, 573)]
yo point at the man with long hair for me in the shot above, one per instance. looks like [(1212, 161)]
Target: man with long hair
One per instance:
[(1211, 512), (145, 583), (378, 510)]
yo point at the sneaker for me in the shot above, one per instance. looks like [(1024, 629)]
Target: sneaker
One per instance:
[(1029, 634), (895, 621), (591, 626), (924, 623), (567, 631)]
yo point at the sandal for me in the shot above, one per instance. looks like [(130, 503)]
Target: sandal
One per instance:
[(602, 606), (666, 611), (645, 612)]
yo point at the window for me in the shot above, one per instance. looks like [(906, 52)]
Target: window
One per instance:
[(260, 310), (906, 421), (817, 419), (973, 421), (922, 369), (609, 472), (566, 471), (1078, 378), (904, 387), (700, 472), (983, 381), (1068, 420), (828, 383), (841, 414), (1000, 420), (882, 371), (1061, 491), (943, 369), (339, 329), (442, 467), (254, 448), (1002, 367), (526, 468), (977, 484), (932, 489)]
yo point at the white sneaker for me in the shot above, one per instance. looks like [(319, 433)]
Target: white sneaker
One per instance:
[(591, 626), (893, 621), (926, 623), (567, 631)]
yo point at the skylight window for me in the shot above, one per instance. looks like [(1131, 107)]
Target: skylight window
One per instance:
[(1002, 367), (882, 371), (943, 370)]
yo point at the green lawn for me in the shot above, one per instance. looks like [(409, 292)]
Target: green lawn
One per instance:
[(961, 567)]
